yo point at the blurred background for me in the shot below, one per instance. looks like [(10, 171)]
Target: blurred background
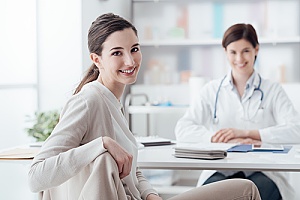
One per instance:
[(43, 55)]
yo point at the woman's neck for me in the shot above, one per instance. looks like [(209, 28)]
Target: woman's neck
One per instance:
[(116, 88), (240, 82)]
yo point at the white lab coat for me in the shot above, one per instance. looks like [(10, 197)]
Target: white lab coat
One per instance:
[(275, 117)]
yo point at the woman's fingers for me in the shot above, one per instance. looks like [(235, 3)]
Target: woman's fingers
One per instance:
[(223, 135), (120, 155), (125, 167)]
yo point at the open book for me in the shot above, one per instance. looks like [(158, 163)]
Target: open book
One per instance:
[(202, 151)]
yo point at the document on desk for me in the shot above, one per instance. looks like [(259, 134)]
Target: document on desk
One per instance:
[(244, 148), (19, 153), (206, 151)]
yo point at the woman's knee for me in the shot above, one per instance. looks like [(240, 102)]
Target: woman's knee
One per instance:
[(105, 162), (247, 186)]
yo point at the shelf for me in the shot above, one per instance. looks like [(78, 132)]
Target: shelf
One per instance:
[(156, 109), (179, 1), (188, 42)]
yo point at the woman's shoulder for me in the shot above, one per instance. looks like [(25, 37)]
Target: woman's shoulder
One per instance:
[(270, 84), (91, 95), (212, 85)]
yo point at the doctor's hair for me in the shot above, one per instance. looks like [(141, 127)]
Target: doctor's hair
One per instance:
[(99, 31), (240, 31)]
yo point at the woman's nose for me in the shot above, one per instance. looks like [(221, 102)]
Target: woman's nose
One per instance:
[(129, 60), (239, 57)]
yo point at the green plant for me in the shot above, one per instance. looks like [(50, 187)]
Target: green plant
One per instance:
[(43, 124)]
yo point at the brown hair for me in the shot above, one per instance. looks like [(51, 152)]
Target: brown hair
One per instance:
[(99, 31), (240, 31)]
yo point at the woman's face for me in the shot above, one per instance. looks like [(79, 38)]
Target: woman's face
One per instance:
[(120, 60), (241, 56)]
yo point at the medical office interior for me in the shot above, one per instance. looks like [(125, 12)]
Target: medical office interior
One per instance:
[(43, 54)]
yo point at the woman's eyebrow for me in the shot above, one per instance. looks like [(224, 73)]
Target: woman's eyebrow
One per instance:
[(118, 48)]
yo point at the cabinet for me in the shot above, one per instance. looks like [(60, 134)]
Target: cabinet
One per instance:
[(182, 39)]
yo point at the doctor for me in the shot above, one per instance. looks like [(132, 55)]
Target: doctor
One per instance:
[(242, 107)]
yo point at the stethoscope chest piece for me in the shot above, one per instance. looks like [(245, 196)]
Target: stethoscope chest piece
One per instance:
[(215, 120)]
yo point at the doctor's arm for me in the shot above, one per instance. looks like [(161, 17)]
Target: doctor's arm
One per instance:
[(192, 126), (287, 127)]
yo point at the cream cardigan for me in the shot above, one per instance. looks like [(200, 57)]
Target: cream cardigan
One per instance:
[(60, 168)]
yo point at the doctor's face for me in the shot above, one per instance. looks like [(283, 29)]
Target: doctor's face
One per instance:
[(241, 56)]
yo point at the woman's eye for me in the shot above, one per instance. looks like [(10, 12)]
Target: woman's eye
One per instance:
[(135, 49), (117, 53)]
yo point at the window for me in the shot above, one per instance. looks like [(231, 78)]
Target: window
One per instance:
[(18, 69)]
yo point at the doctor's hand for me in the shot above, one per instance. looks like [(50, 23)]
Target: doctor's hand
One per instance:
[(120, 155), (244, 141), (225, 135)]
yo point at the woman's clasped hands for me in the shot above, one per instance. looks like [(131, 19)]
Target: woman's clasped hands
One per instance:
[(232, 135)]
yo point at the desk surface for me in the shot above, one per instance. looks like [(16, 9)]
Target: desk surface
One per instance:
[(161, 157)]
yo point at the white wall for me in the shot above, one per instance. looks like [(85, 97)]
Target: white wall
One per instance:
[(59, 50)]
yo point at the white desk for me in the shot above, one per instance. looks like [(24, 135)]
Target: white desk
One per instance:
[(161, 157)]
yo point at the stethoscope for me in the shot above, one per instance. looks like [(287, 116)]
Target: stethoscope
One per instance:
[(215, 118)]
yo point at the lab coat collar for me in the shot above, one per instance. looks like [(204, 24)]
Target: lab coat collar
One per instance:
[(253, 81), (228, 80)]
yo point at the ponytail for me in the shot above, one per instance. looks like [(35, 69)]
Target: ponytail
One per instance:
[(91, 75)]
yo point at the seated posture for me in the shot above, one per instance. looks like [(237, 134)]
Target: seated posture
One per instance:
[(91, 154), (242, 107)]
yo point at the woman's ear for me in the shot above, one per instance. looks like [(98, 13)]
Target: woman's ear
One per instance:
[(256, 49), (95, 58)]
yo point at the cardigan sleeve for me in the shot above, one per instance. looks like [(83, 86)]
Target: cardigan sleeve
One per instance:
[(63, 154), (144, 186)]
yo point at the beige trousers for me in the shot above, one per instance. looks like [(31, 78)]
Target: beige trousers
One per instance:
[(231, 189), (104, 172)]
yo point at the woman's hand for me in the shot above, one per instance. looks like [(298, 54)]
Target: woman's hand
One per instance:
[(153, 197), (121, 156), (225, 135)]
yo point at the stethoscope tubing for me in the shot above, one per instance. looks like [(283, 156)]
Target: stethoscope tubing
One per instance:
[(215, 118)]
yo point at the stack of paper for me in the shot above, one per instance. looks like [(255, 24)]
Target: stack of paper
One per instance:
[(153, 141), (202, 151)]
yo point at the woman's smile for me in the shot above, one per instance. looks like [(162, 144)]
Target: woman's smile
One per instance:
[(128, 71)]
